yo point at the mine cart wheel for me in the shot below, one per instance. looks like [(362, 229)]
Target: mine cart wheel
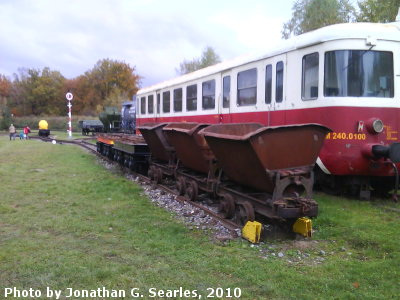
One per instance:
[(192, 190), (181, 186), (131, 163), (245, 213), (227, 206), (150, 173), (158, 175), (126, 162)]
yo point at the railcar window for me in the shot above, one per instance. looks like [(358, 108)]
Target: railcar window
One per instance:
[(279, 82), (208, 93), (226, 97), (309, 84), (166, 102), (191, 97), (150, 104), (158, 102), (268, 84), (359, 73), (177, 100), (247, 87), (143, 105)]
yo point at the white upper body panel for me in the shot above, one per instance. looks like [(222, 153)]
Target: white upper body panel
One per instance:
[(357, 36)]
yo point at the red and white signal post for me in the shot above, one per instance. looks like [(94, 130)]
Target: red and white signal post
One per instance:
[(69, 97)]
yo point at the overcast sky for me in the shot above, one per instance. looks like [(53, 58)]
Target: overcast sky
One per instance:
[(154, 36)]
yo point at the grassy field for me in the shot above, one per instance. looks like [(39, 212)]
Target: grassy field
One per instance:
[(67, 222)]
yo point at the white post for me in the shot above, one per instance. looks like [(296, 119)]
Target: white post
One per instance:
[(69, 119), (69, 97)]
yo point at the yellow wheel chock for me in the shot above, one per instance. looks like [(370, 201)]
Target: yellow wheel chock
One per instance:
[(252, 231), (303, 226)]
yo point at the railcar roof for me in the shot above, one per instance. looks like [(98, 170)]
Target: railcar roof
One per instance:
[(378, 31)]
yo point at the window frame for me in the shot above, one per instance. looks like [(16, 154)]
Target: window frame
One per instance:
[(303, 77), (163, 102), (279, 88), (392, 82), (192, 98), (228, 102), (238, 102), (213, 84), (152, 104), (175, 100), (268, 84), (158, 109), (143, 105)]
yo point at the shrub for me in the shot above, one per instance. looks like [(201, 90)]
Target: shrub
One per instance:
[(55, 123)]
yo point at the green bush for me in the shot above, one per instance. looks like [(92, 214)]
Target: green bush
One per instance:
[(5, 119), (55, 123)]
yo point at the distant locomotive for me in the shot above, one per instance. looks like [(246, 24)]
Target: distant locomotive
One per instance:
[(128, 116), (44, 128), (111, 119), (343, 76), (114, 120)]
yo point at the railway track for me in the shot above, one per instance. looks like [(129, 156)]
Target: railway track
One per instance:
[(228, 224)]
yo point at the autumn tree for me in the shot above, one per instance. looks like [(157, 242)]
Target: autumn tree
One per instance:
[(5, 89), (84, 95), (208, 58), (109, 83), (38, 92), (309, 15), (382, 11), (5, 114)]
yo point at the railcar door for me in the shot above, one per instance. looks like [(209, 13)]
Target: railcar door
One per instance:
[(225, 98), (151, 107), (158, 106), (277, 105)]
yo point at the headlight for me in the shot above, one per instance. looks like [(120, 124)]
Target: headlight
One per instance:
[(375, 125)]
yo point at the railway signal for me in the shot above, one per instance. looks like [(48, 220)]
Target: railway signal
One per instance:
[(69, 96)]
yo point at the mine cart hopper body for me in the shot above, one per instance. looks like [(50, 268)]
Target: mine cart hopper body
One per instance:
[(274, 160), (196, 170), (163, 159), (159, 147), (191, 148)]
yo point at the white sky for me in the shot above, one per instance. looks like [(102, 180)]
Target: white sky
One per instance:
[(153, 35)]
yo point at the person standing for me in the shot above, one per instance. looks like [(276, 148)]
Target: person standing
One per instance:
[(27, 130), (12, 132)]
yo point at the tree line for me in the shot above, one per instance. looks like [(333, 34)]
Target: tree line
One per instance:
[(42, 92), (308, 15), (110, 82)]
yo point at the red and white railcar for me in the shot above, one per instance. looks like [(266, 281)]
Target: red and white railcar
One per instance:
[(344, 76)]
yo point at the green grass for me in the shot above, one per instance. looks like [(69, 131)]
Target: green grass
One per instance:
[(58, 134), (66, 221)]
